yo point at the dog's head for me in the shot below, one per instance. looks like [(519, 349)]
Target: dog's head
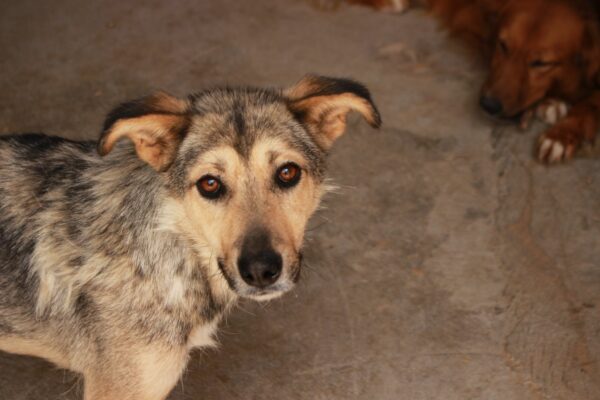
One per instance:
[(245, 169), (540, 48)]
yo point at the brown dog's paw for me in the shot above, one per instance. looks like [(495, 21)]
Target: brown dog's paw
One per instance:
[(560, 142), (551, 111)]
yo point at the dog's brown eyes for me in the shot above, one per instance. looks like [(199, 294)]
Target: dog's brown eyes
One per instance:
[(288, 175), (210, 187)]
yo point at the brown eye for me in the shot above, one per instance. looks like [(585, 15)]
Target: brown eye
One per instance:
[(210, 187), (288, 175)]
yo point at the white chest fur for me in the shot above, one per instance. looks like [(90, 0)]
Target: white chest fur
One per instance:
[(202, 335)]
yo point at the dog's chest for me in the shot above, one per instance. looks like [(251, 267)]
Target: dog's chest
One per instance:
[(202, 335)]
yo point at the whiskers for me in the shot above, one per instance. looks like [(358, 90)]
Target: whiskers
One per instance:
[(311, 270)]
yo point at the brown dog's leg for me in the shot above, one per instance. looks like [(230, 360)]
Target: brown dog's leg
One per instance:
[(561, 141), (143, 373)]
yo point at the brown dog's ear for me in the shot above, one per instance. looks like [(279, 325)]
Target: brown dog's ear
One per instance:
[(590, 53), (155, 124), (474, 22), (321, 104)]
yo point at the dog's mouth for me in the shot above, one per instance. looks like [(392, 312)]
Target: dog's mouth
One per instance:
[(272, 292), (505, 119), (521, 116), (283, 284)]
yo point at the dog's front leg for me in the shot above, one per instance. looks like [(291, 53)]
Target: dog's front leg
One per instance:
[(562, 140), (142, 373)]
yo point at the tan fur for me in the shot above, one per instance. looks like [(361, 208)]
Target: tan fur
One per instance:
[(156, 370), (168, 103), (325, 114), (154, 136), (29, 347)]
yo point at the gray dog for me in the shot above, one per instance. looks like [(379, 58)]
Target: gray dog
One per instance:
[(117, 264)]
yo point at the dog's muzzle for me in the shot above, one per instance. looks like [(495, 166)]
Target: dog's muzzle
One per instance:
[(260, 266)]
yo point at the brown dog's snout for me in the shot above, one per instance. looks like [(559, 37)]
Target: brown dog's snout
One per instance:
[(259, 264), (491, 104)]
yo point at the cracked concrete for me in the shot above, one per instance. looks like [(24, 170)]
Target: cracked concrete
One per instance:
[(448, 265)]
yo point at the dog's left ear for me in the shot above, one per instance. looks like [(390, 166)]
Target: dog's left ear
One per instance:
[(321, 104), (155, 124)]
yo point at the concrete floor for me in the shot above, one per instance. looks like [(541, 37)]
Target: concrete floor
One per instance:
[(449, 265)]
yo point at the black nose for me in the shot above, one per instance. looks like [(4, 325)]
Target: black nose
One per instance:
[(261, 269), (259, 265), (491, 105)]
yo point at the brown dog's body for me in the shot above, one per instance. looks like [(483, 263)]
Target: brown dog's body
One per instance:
[(539, 52)]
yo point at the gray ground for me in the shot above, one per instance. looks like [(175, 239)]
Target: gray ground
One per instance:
[(448, 266)]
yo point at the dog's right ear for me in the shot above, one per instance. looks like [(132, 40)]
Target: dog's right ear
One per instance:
[(155, 124), (590, 53), (321, 104)]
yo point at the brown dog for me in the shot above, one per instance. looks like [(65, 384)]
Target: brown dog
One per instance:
[(541, 54)]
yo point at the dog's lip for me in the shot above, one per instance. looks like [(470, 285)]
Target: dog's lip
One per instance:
[(274, 288), (514, 117), (502, 118), (230, 281), (263, 294)]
